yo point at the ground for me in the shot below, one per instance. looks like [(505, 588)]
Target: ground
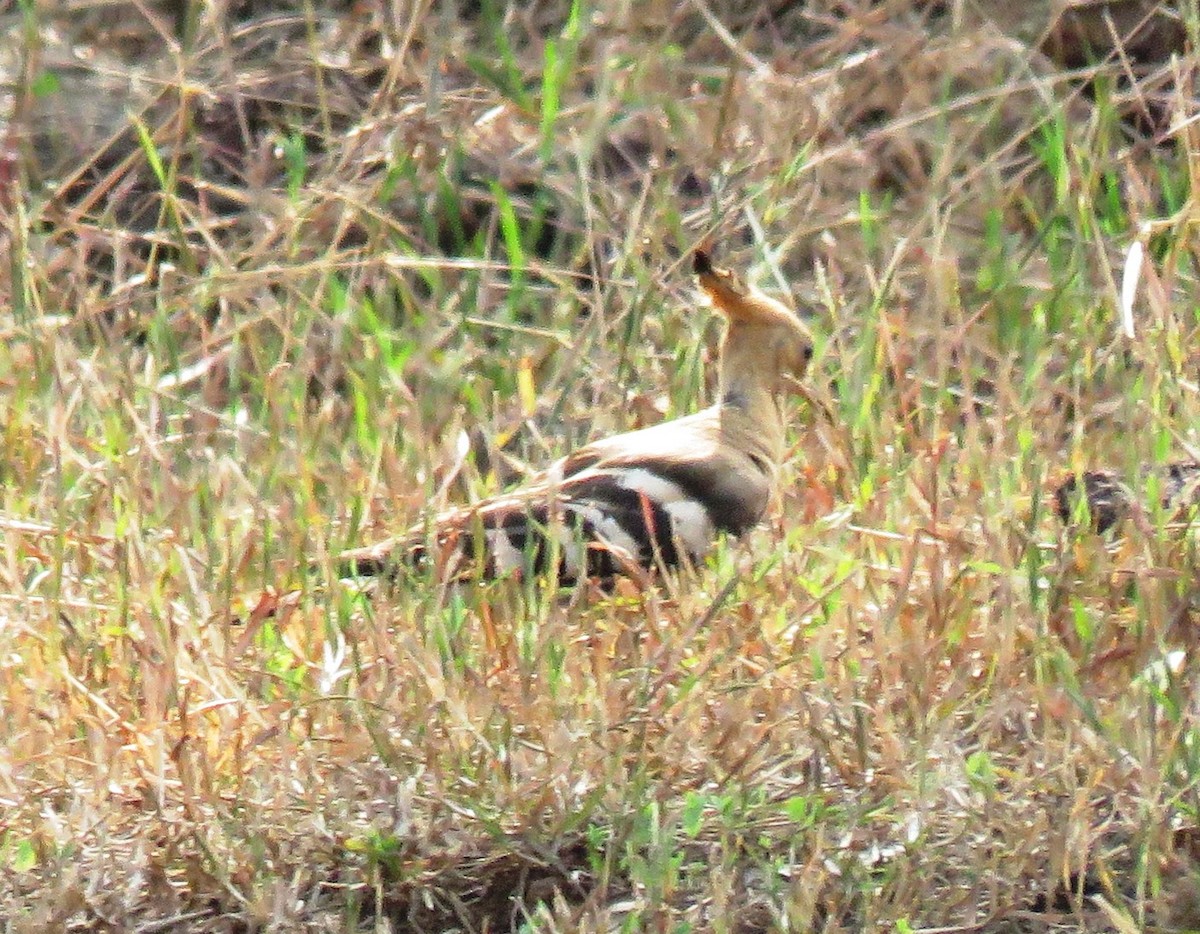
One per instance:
[(281, 277)]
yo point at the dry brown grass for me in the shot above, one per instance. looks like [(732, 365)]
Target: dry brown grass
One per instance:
[(345, 261)]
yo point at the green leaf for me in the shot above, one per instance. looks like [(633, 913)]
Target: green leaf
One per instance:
[(151, 151), (295, 161), (510, 229), (798, 809), (45, 84), (693, 813), (551, 78), (25, 857)]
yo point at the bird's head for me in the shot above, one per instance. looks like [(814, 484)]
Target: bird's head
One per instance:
[(763, 333)]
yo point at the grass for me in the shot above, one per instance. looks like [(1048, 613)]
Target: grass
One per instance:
[(331, 268)]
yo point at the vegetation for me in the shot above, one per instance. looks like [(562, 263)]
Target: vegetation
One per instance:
[(281, 277)]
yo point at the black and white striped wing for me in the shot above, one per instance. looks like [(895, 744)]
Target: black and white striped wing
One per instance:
[(1109, 500), (665, 511), (596, 522)]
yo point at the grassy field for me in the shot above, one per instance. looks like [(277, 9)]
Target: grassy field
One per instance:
[(277, 278)]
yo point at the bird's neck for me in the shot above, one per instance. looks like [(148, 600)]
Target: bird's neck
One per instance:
[(749, 405)]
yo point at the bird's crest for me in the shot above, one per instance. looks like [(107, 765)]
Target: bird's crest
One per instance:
[(738, 302)]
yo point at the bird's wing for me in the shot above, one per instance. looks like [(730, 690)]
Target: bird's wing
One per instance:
[(654, 496)]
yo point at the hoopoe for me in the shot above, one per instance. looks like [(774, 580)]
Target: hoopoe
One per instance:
[(1109, 500), (652, 498)]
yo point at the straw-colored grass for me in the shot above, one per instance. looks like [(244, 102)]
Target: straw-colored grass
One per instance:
[(279, 280)]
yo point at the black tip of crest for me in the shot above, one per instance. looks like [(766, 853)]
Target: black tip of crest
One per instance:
[(701, 263)]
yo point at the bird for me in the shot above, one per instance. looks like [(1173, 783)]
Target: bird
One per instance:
[(1109, 500), (646, 500)]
